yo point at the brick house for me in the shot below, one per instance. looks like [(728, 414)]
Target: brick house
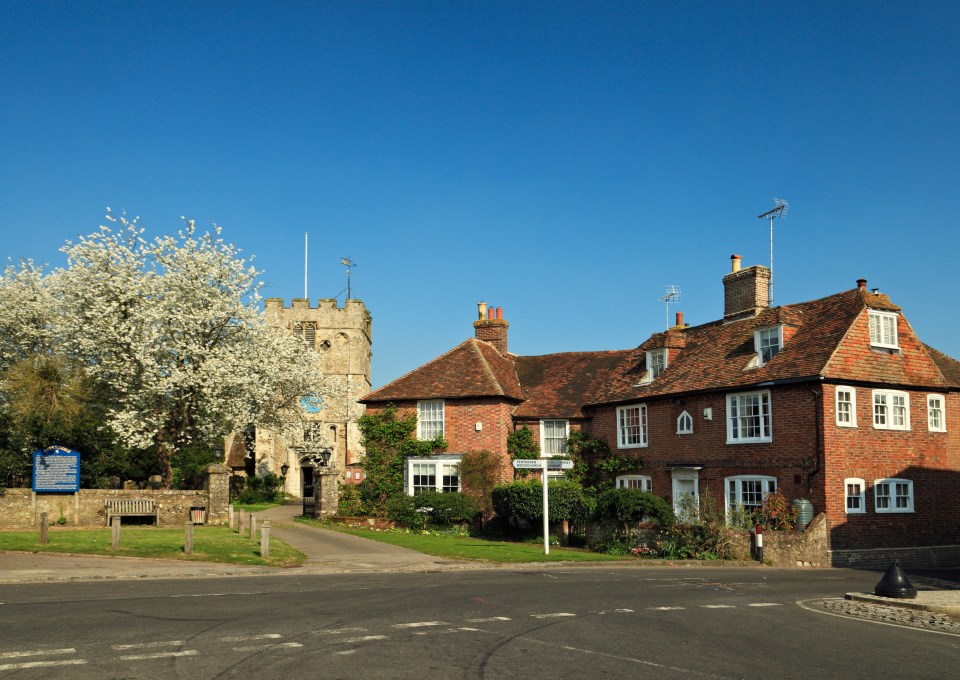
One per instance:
[(834, 400)]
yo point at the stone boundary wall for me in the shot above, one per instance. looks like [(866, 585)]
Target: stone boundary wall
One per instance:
[(913, 557), (21, 508), (806, 548)]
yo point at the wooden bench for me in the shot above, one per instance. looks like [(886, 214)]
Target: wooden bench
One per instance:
[(131, 507)]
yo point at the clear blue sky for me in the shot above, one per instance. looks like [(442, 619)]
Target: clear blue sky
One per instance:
[(563, 160)]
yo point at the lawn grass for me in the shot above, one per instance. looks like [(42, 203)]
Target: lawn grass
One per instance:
[(210, 544), (467, 548)]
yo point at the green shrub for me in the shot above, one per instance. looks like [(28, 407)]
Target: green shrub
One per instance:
[(433, 509), (630, 506), (524, 500), (351, 502), (265, 489)]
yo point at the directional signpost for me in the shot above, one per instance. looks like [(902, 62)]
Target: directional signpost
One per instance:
[(544, 464)]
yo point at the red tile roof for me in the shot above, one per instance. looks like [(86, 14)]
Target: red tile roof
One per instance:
[(471, 369)]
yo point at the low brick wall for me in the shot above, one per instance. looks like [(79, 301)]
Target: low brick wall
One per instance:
[(21, 508), (914, 557)]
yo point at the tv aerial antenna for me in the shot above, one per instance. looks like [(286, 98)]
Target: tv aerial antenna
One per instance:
[(779, 211), (348, 263), (672, 297)]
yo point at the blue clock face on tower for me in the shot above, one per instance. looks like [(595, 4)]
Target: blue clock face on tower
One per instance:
[(312, 403)]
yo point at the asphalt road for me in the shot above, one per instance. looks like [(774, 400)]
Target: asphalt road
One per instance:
[(594, 623)]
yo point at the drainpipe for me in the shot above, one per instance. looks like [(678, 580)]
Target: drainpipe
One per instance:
[(818, 424)]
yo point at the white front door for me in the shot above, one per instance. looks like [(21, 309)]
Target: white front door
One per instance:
[(686, 493)]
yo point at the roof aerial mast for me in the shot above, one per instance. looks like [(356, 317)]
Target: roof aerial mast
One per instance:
[(672, 297), (348, 263), (779, 211)]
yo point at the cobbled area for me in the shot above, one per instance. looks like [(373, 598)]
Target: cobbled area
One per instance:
[(899, 615)]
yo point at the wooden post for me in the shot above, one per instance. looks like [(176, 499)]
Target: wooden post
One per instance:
[(240, 522), (265, 539), (232, 518), (188, 538), (43, 528), (253, 527), (114, 532)]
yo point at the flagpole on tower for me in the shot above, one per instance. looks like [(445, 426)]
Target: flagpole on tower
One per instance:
[(305, 297)]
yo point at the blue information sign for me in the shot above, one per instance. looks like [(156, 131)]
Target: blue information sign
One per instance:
[(56, 469)]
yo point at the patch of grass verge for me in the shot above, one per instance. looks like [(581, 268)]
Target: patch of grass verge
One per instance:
[(467, 548), (210, 544)]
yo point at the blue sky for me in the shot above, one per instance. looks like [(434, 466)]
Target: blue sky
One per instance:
[(563, 160)]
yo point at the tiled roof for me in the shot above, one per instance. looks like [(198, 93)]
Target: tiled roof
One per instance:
[(721, 355), (949, 367), (558, 385), (471, 369)]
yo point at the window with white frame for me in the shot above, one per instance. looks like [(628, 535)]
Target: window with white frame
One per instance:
[(748, 417), (748, 491), (432, 474), (642, 482), (553, 437), (891, 410), (429, 418), (767, 342), (632, 426), (656, 362), (935, 419), (883, 329), (684, 423), (846, 407), (893, 495), (855, 495)]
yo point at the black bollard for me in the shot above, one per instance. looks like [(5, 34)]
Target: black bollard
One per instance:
[(895, 584)]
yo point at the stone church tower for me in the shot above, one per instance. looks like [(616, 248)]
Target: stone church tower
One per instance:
[(340, 338)]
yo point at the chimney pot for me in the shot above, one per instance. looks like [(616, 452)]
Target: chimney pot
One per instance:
[(862, 284), (482, 309), (500, 313), (680, 319), (735, 263), (490, 312)]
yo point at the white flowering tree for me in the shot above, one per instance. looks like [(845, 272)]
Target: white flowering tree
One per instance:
[(174, 330)]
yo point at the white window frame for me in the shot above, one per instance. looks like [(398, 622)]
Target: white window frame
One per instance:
[(893, 495), (685, 423), (544, 453), (737, 422), (657, 360), (642, 482), (851, 401), (445, 473), (891, 410), (762, 344), (936, 413), (632, 435), (883, 329), (428, 425), (855, 490), (734, 497)]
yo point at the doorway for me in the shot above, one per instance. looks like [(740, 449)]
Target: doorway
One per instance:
[(686, 493)]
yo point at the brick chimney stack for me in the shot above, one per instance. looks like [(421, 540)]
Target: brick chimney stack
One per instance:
[(491, 327), (745, 291)]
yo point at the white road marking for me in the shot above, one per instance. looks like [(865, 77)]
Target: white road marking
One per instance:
[(558, 615), (41, 664), (346, 652), (248, 638), (717, 606), (39, 652), (472, 630), (148, 645), (764, 604), (666, 609), (419, 624), (365, 638), (338, 631), (269, 645), (489, 618), (623, 611), (158, 655)]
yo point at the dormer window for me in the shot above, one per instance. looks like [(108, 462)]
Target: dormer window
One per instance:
[(767, 342), (883, 329), (656, 362)]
